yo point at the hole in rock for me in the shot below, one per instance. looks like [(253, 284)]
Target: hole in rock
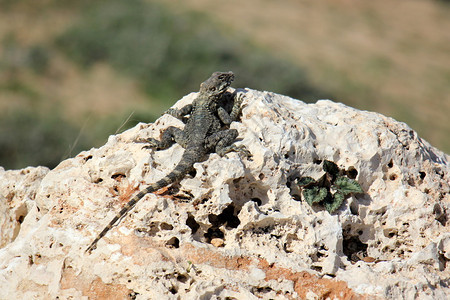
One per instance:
[(212, 233), (182, 278), (443, 260), (214, 220), (439, 214), (173, 243), (192, 224), (184, 196), (354, 249), (192, 173), (227, 216), (165, 226), (243, 189), (150, 230), (351, 173), (297, 197), (20, 219), (173, 290), (257, 200), (390, 164), (286, 248), (118, 176), (393, 177), (354, 208), (261, 290), (317, 268), (288, 183), (98, 180), (390, 233), (133, 295)]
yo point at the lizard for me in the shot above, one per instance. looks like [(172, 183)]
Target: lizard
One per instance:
[(205, 131)]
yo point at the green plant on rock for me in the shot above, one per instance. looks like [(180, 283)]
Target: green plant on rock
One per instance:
[(331, 189)]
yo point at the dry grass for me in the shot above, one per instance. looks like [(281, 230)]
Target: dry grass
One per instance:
[(96, 92), (391, 57), (51, 108)]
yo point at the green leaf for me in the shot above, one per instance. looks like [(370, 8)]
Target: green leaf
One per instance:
[(330, 167), (347, 186), (315, 194), (336, 202), (304, 181)]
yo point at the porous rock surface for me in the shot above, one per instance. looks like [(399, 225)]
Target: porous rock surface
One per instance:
[(236, 228)]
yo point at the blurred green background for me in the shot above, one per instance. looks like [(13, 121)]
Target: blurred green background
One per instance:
[(74, 72)]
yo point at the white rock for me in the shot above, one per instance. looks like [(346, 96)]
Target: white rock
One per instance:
[(274, 244)]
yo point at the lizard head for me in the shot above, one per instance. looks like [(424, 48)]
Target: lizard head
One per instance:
[(217, 84)]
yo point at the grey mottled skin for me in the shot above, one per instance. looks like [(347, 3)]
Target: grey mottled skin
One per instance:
[(202, 134)]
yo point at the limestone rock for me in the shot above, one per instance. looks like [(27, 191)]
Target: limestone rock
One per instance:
[(237, 228), (17, 195)]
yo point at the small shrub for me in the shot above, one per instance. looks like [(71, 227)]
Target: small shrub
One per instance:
[(18, 57), (331, 189)]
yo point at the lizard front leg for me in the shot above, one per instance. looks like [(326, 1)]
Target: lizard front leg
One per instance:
[(226, 117), (180, 113), (170, 136)]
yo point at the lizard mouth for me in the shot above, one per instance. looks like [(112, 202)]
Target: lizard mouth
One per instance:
[(226, 79)]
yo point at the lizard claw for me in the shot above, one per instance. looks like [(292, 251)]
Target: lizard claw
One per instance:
[(141, 140), (239, 99), (243, 152), (237, 106), (152, 143), (173, 112)]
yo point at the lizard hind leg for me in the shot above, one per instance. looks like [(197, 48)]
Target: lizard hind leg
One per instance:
[(223, 142)]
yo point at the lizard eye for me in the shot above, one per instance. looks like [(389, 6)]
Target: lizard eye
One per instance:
[(222, 77), (212, 89)]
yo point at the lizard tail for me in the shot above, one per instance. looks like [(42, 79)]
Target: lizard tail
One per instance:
[(183, 167)]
